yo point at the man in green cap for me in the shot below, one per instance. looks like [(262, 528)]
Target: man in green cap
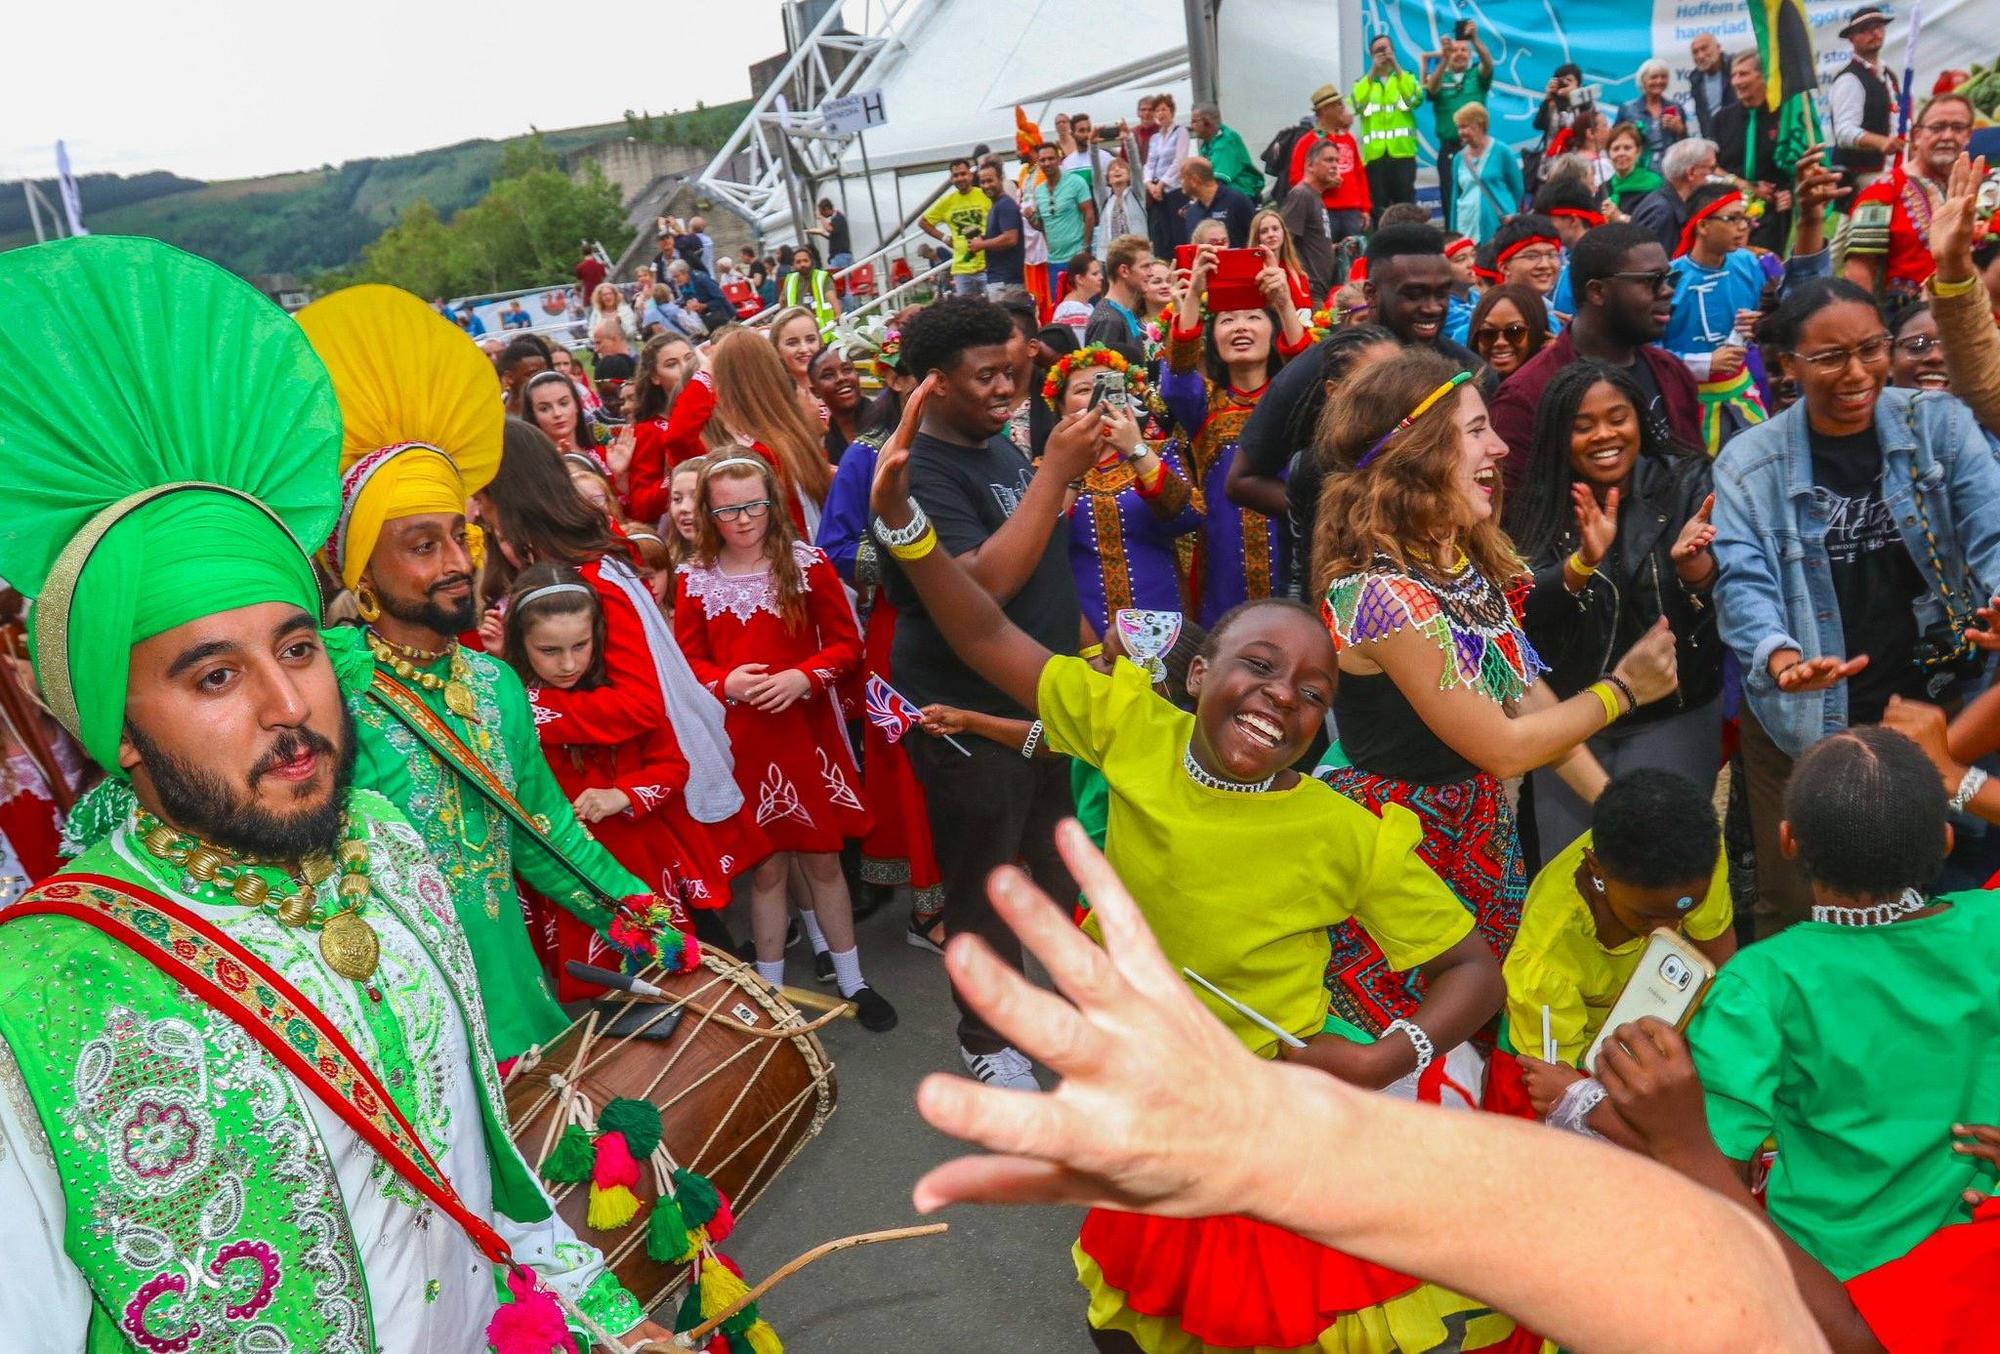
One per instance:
[(251, 1101)]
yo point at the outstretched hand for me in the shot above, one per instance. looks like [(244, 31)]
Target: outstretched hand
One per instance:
[(1596, 526), (889, 494), (1952, 224), (1690, 553), (1156, 1099)]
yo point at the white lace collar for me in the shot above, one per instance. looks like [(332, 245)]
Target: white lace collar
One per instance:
[(742, 595)]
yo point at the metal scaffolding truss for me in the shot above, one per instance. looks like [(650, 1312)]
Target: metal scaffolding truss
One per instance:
[(784, 142)]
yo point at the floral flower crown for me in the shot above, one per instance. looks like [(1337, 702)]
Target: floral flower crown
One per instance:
[(1096, 355), (890, 355)]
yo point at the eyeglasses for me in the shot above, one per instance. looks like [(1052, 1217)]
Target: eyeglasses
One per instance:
[(752, 511), (1666, 279), (1731, 218), (1870, 351), (1536, 256), (1947, 128), (1920, 345), (1489, 334)]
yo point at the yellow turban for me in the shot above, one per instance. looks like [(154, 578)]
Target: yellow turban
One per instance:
[(422, 423)]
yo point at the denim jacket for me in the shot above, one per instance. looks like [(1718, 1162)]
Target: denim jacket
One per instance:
[(1776, 589)]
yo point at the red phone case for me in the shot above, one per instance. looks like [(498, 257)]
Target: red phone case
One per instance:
[(1233, 284)]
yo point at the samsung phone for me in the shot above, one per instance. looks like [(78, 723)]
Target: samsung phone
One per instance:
[(1668, 984)]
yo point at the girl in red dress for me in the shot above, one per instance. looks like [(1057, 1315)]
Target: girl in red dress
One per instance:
[(765, 625), (630, 794), (755, 414)]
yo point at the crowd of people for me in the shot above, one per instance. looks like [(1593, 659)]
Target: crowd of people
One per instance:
[(1434, 624)]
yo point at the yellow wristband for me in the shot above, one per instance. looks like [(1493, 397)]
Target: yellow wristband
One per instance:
[(1944, 291), (1090, 651), (1576, 565), (918, 548), (1608, 698)]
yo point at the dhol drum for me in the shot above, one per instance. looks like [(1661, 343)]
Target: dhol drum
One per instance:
[(741, 1082)]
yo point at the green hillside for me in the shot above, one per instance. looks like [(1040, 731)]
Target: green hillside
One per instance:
[(321, 219)]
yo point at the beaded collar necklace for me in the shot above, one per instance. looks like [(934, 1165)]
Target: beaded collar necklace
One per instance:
[(1878, 914), (1200, 775)]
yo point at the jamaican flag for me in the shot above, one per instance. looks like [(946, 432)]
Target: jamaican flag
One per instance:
[(1791, 76)]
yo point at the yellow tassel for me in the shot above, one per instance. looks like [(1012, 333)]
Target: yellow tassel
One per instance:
[(611, 1208), (695, 1239), (763, 1339), (719, 1289)]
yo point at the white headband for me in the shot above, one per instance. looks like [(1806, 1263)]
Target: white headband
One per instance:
[(551, 590), (736, 460)]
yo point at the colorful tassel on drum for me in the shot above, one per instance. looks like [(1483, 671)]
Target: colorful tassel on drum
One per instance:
[(700, 1200), (570, 1162), (748, 1332), (627, 1132), (668, 1240), (530, 1324)]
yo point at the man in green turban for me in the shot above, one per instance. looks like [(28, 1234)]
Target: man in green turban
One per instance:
[(251, 1102)]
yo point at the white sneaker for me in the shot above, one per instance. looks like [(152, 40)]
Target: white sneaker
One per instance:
[(1009, 1069)]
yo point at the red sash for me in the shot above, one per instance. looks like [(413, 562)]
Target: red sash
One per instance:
[(207, 962)]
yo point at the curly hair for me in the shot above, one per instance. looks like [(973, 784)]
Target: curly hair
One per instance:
[(1402, 503), (936, 336), (779, 534)]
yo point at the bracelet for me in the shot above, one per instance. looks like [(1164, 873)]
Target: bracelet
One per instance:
[(1631, 701), (925, 544), (1944, 291), (906, 535), (1973, 782), (1572, 1112), (1090, 651), (1418, 1040), (1033, 739), (1576, 565), (1608, 698)]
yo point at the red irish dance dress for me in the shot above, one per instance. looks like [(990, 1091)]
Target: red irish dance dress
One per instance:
[(795, 767)]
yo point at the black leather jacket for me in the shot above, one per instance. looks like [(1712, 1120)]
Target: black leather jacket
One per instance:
[(1581, 636)]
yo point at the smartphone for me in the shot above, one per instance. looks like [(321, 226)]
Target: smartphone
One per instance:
[(1668, 984), (1462, 30), (1233, 284), (1107, 387)]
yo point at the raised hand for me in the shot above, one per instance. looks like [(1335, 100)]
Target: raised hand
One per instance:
[(1651, 667), (1692, 560), (889, 493), (1952, 224), (1074, 445), (1596, 526)]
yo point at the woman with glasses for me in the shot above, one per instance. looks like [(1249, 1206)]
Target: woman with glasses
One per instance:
[(1614, 521), (1857, 533), (1916, 362), (1509, 325), (1486, 176)]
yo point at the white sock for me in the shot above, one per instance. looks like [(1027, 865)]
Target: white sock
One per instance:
[(772, 971), (810, 920), (847, 971)]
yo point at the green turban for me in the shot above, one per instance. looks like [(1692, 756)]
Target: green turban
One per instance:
[(169, 444)]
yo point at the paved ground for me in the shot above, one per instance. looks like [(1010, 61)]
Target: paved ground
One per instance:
[(1000, 1281)]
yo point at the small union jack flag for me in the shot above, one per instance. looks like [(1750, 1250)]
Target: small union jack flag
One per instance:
[(890, 710)]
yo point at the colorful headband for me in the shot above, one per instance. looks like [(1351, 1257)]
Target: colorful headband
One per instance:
[(1583, 214), (1424, 406), (1096, 355), (1524, 242), (1729, 199), (550, 591), (1459, 246)]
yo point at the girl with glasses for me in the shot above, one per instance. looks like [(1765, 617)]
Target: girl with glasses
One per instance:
[(1857, 534), (768, 630), (1509, 325), (1718, 298), (1614, 521), (1917, 360)]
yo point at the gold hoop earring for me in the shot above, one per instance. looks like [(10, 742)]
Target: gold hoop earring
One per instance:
[(366, 602)]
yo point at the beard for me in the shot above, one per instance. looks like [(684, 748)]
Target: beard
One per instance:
[(439, 615), (196, 799)]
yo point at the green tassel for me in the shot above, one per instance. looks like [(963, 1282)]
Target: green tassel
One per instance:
[(741, 1323), (570, 1163), (637, 1120), (689, 1315), (666, 1232), (698, 1197), (739, 1343)]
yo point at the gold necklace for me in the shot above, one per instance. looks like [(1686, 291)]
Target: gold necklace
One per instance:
[(346, 941), (456, 685)]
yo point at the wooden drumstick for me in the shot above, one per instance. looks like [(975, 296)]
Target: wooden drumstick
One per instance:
[(817, 1001)]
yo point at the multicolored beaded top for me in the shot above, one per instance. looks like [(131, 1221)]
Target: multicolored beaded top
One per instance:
[(1465, 615)]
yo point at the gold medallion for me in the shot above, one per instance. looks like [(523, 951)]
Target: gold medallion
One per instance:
[(349, 946), (458, 698)]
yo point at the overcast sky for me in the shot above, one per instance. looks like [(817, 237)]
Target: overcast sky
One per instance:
[(220, 89)]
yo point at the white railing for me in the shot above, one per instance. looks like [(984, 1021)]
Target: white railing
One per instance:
[(786, 143)]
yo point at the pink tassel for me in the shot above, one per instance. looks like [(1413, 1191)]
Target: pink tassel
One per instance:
[(532, 1323), (690, 953), (614, 1164), (723, 1223)]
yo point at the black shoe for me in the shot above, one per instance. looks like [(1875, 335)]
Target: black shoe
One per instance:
[(823, 965), (873, 1010), (747, 951), (872, 899)]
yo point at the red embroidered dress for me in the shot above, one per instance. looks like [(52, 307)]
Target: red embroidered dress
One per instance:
[(797, 772)]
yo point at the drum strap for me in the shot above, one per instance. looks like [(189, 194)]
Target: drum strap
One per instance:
[(438, 736), (207, 962)]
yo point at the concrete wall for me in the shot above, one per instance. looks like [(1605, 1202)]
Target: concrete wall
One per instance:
[(633, 165)]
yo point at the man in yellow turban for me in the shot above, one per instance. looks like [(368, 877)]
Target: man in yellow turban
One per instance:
[(445, 733)]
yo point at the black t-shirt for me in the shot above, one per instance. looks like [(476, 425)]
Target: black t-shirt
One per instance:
[(838, 240), (969, 493), (1004, 266), (1874, 578)]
